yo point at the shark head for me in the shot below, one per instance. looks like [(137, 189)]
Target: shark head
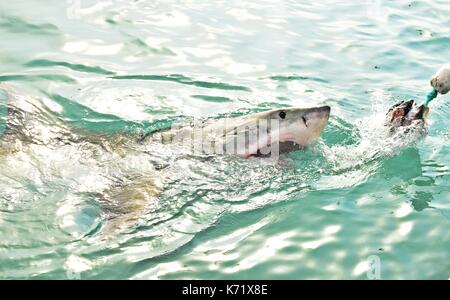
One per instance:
[(297, 125), (266, 133), (284, 129)]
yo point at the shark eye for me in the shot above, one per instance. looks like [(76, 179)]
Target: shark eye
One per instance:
[(304, 120), (282, 114)]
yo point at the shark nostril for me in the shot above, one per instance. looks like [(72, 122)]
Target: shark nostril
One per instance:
[(304, 121)]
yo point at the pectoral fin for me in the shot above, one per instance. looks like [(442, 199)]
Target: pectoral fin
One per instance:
[(126, 203)]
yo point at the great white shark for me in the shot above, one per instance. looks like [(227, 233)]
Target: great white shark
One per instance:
[(267, 133), (29, 126)]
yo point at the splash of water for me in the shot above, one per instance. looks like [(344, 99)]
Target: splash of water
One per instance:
[(375, 143)]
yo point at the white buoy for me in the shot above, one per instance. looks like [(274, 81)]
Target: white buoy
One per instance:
[(441, 80)]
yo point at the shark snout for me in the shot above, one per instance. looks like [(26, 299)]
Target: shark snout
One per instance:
[(318, 114), (325, 111), (313, 122)]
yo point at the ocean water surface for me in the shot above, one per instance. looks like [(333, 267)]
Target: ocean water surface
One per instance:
[(354, 205)]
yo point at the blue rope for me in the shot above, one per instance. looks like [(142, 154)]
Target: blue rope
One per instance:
[(430, 96)]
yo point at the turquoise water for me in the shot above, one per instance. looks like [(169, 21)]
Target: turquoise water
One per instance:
[(116, 67)]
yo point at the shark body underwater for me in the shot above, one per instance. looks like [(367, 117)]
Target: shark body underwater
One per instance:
[(30, 128)]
